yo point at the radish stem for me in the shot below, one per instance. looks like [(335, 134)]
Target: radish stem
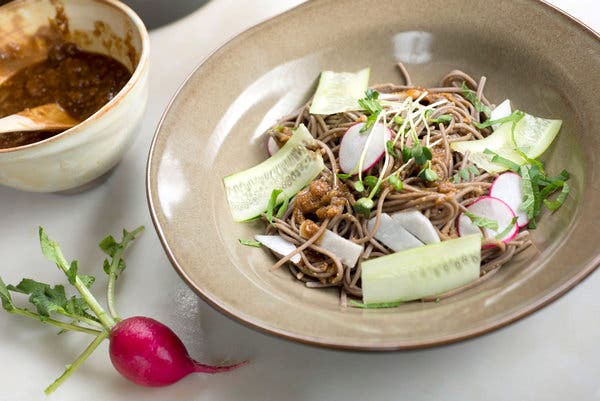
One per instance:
[(113, 272), (80, 359), (107, 321), (57, 323)]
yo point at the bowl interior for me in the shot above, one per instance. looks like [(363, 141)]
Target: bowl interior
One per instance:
[(95, 25), (214, 127)]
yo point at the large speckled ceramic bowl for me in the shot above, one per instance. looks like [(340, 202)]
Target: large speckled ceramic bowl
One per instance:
[(78, 155), (546, 62)]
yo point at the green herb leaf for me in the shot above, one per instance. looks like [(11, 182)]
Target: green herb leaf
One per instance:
[(372, 106), (514, 117), (5, 297), (379, 305), (50, 249), (359, 186), (471, 96), (283, 208), (428, 175), (72, 272), (528, 205), (88, 280), (443, 119), (249, 242), (496, 158), (272, 203), (389, 146), (554, 205), (370, 181), (395, 182), (508, 228), (109, 245), (464, 174), (406, 155), (481, 221), (343, 176), (363, 206), (399, 120)]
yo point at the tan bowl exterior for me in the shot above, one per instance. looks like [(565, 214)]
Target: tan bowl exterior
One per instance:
[(544, 61), (90, 149)]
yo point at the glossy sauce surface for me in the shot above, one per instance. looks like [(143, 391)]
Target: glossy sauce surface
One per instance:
[(80, 82)]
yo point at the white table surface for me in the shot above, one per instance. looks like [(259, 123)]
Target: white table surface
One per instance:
[(552, 355)]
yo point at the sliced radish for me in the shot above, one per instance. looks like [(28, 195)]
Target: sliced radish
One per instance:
[(393, 235), (346, 250), (493, 209), (501, 111), (418, 225), (278, 245), (353, 142), (272, 146), (507, 187)]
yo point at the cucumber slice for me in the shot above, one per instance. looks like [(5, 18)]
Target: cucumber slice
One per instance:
[(421, 272), (290, 169), (339, 91), (533, 135)]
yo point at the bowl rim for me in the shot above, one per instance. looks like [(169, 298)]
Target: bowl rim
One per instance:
[(249, 321), (138, 73)]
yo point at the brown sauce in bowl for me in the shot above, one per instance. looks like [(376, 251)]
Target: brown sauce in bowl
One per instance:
[(80, 82)]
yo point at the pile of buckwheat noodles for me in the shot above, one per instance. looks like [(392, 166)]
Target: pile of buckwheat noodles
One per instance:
[(440, 201)]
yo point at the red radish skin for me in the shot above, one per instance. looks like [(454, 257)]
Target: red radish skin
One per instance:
[(352, 145), (491, 208), (507, 187), (149, 353)]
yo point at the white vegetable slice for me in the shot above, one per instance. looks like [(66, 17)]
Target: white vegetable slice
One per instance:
[(290, 169), (532, 135), (421, 272), (353, 143), (393, 235), (418, 225), (500, 111), (339, 91), (272, 146), (346, 250), (493, 209), (508, 188), (278, 245)]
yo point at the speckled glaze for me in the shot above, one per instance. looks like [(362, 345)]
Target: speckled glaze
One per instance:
[(547, 63), (90, 149)]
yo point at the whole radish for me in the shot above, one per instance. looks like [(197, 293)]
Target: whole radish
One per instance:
[(141, 349), (147, 352)]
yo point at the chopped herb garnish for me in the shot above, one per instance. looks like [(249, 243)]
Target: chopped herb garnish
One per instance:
[(514, 117), (496, 158), (283, 208), (481, 221), (272, 203), (472, 97), (378, 305), (249, 242), (421, 154), (389, 146), (560, 199), (508, 228), (395, 182)]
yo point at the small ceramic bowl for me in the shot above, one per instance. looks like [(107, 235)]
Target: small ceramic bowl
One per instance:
[(90, 149)]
